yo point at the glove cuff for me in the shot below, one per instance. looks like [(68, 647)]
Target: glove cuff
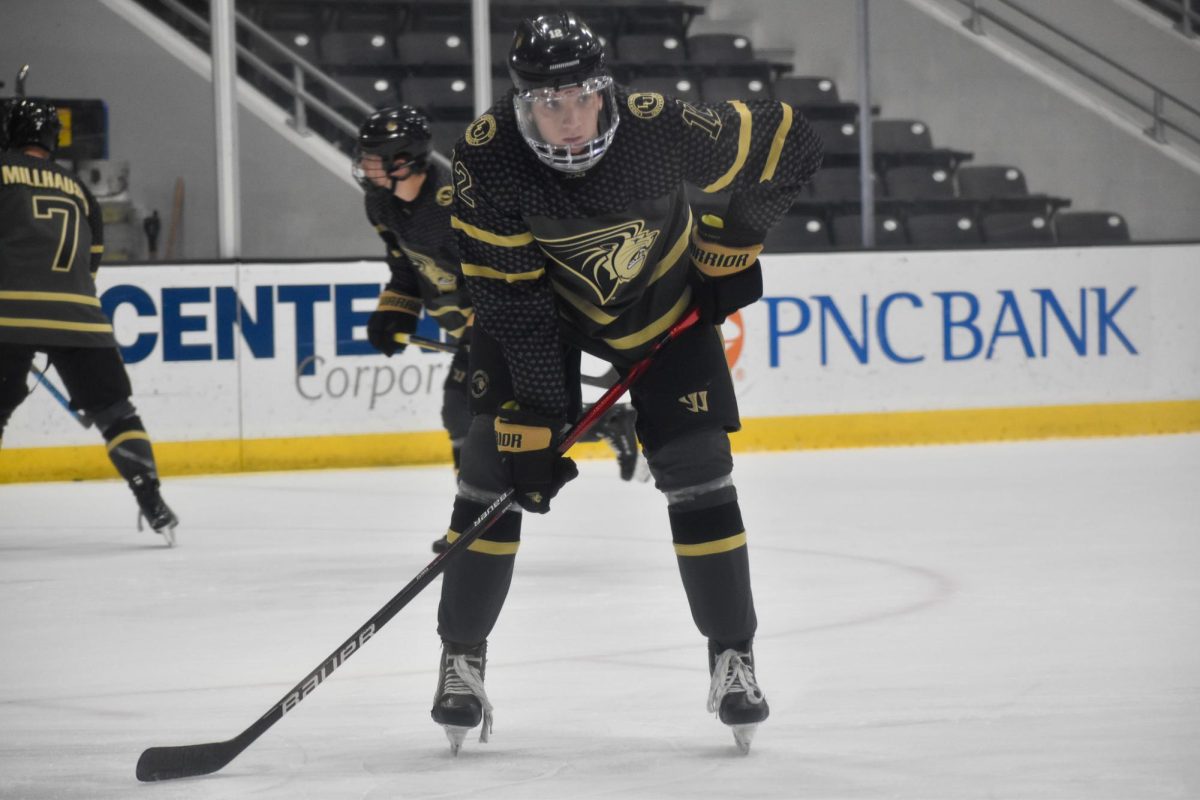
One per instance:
[(522, 432), (716, 260), (395, 301)]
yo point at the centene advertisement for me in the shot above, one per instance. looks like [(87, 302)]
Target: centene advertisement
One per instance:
[(257, 351)]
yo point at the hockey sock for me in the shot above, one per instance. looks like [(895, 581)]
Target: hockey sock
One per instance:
[(129, 448), (710, 545), (475, 584)]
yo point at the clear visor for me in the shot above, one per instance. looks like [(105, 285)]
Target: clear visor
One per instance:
[(372, 169), (570, 127)]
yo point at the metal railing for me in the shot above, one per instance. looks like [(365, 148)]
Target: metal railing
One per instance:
[(302, 71), (1184, 10), (1155, 107)]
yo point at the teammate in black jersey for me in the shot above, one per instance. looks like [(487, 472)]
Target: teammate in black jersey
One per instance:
[(575, 234), (51, 241)]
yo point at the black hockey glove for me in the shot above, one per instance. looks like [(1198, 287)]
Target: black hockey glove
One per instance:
[(727, 274), (396, 313), (528, 449)]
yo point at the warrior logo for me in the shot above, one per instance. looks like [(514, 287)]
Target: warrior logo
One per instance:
[(607, 258), (443, 280)]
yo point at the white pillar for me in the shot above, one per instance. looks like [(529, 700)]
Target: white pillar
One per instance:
[(224, 80)]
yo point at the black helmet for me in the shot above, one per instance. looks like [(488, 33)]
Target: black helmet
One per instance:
[(557, 65), (391, 133), (31, 122), (554, 50)]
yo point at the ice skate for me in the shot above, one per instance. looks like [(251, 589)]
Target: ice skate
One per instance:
[(618, 431), (734, 695), (152, 508), (460, 702)]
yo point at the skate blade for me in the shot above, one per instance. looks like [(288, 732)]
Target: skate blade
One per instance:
[(456, 734), (743, 735), (168, 533)]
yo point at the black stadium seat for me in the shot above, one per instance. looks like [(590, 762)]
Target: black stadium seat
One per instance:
[(449, 94), (797, 233), (800, 90), (378, 90), (919, 183), (943, 230), (720, 89), (356, 48), (1017, 227), (433, 48), (1090, 227), (839, 138), (719, 48), (987, 182), (847, 230), (650, 48), (900, 136), (836, 184)]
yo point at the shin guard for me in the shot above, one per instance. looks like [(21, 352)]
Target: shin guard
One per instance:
[(476, 583)]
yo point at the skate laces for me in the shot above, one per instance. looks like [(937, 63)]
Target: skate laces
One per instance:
[(463, 678), (732, 673)]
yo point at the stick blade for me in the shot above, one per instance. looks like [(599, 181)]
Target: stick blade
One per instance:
[(186, 761)]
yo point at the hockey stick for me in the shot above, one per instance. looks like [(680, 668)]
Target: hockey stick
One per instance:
[(185, 761), (62, 401), (428, 344)]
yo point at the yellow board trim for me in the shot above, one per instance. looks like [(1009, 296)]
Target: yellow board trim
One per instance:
[(486, 547), (53, 297), (477, 271), (51, 325), (781, 133), (126, 436), (955, 426), (742, 151), (711, 548), (487, 237)]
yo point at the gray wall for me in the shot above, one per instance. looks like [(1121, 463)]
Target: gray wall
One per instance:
[(975, 101), (160, 121)]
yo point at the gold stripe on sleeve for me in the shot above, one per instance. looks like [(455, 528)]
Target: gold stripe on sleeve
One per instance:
[(477, 271), (743, 148), (97, 248), (781, 133), (53, 297), (513, 240), (46, 324)]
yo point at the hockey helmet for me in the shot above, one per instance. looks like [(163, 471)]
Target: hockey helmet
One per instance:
[(393, 133), (30, 122), (565, 100)]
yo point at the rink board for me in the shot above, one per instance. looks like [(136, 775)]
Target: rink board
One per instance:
[(266, 366)]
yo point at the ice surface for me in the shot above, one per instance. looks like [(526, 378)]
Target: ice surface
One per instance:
[(1005, 620)]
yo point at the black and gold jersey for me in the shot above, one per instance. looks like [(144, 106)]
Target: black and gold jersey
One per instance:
[(600, 258), (421, 252), (51, 241)]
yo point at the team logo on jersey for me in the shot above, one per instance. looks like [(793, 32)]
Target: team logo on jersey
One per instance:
[(444, 281), (607, 258), (445, 195), (646, 105), (695, 402), (481, 130), (479, 383)]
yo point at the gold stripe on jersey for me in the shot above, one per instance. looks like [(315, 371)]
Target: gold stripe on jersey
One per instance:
[(125, 437), (743, 148), (486, 547), (52, 297), (97, 248), (54, 325), (712, 548), (639, 338), (675, 254), (781, 133), (589, 310), (487, 237), (440, 310), (478, 271)]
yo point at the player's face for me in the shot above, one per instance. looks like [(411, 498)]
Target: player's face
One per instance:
[(568, 117), (378, 173)]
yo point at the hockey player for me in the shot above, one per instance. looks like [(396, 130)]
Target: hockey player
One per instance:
[(408, 199), (576, 234), (51, 241)]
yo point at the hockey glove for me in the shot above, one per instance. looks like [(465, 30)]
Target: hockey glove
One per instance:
[(727, 274), (396, 313), (528, 449)]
